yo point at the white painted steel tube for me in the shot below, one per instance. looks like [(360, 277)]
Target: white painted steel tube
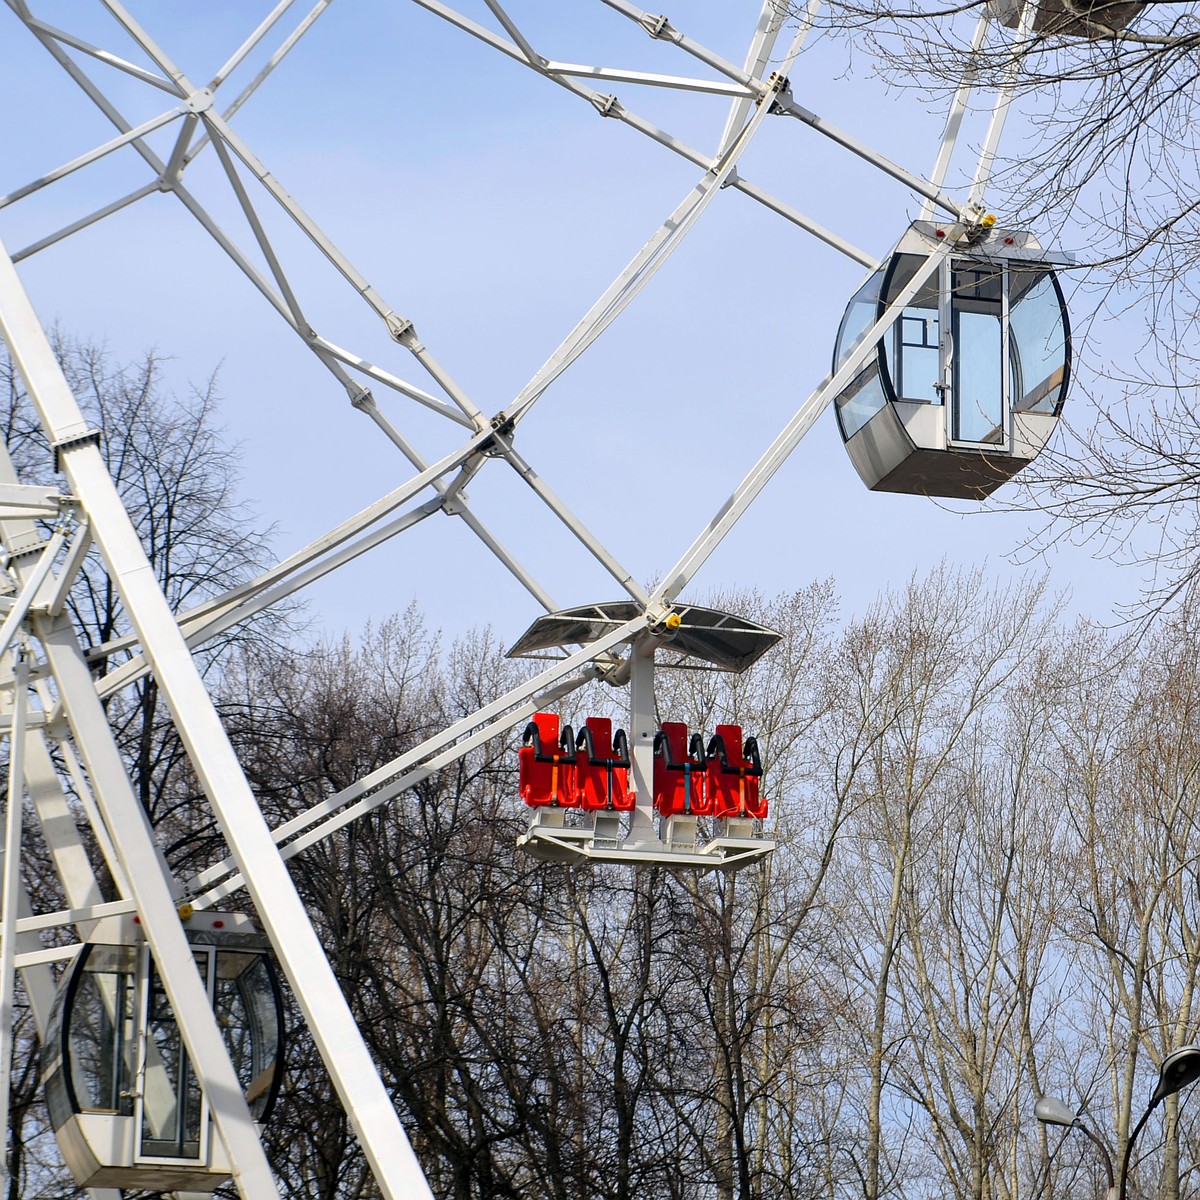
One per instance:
[(279, 908), (11, 890)]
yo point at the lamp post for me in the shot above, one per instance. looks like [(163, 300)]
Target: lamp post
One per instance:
[(1178, 1069), (1051, 1111)]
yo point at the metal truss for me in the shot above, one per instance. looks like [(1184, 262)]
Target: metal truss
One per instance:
[(52, 708)]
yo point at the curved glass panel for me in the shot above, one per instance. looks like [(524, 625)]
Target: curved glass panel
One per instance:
[(859, 316), (1037, 323), (860, 401), (100, 1031), (912, 346), (248, 1013)]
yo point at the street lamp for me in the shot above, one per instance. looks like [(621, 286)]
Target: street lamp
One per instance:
[(1052, 1111), (1178, 1069)]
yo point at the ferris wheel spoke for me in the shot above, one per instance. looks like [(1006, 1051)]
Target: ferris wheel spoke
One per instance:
[(681, 574), (153, 51), (661, 29), (388, 781), (1022, 38), (681, 83), (285, 48), (958, 110), (788, 107), (510, 27), (264, 27), (46, 31), (766, 33), (84, 160), (388, 379), (639, 271), (92, 218)]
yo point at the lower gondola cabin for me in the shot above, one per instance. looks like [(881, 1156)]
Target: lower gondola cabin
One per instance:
[(124, 1102)]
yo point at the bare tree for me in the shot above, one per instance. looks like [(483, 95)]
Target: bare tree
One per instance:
[(177, 475), (925, 887), (1128, 776)]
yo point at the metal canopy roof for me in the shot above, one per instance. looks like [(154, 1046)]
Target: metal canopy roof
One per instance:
[(725, 641)]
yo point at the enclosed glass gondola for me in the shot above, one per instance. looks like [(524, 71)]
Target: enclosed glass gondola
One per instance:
[(967, 384), (123, 1099)]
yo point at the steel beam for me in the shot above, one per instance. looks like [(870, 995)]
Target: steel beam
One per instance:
[(279, 908)]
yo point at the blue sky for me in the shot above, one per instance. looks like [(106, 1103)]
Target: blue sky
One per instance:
[(491, 208)]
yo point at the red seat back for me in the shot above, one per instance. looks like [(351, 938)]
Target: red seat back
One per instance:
[(678, 772), (602, 767), (733, 774), (547, 769)]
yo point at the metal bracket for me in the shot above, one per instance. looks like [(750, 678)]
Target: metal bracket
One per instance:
[(23, 546), (401, 330), (503, 426), (89, 437), (656, 27), (780, 90), (607, 106), (455, 503), (201, 101), (360, 397)]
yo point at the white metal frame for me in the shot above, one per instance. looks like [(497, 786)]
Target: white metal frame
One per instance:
[(44, 648)]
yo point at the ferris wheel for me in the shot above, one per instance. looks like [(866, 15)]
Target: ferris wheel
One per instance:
[(949, 372)]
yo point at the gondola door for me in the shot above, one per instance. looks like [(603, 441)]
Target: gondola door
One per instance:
[(171, 1113), (978, 414)]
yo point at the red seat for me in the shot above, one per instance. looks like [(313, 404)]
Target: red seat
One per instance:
[(547, 763), (602, 767), (679, 772), (733, 772)]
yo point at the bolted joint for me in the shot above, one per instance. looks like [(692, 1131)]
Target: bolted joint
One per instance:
[(656, 27), (502, 426), (454, 504), (360, 397), (57, 726), (400, 329), (607, 106), (89, 437), (26, 545), (779, 88), (200, 101)]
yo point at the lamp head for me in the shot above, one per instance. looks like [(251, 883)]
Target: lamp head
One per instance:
[(1052, 1111), (1178, 1069)]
